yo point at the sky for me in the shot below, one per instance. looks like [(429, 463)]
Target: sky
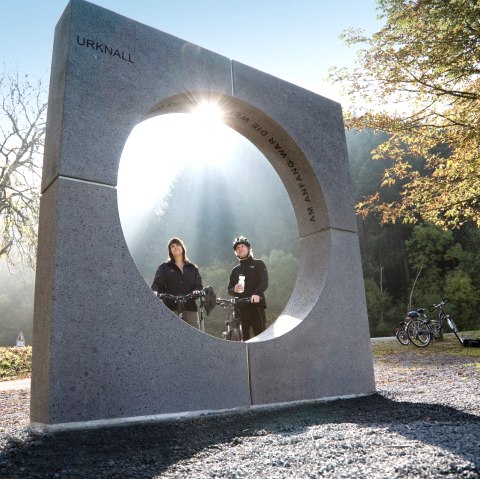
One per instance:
[(296, 41)]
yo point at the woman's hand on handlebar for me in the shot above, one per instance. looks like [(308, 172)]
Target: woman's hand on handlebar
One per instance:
[(255, 298)]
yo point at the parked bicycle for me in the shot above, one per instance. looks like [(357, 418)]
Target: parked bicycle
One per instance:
[(207, 303), (234, 330), (401, 332), (443, 318), (421, 331)]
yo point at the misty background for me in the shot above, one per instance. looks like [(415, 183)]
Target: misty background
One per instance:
[(208, 186)]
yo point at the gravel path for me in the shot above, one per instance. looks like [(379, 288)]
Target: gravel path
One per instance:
[(423, 423)]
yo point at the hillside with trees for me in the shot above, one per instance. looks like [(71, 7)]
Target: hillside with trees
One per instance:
[(408, 266), (416, 85)]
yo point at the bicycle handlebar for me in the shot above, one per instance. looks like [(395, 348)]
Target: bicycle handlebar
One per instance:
[(439, 305), (181, 298), (233, 301)]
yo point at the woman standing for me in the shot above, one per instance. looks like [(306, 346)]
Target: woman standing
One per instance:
[(178, 276)]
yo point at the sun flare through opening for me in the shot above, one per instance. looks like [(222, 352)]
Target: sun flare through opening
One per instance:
[(192, 176), (208, 113)]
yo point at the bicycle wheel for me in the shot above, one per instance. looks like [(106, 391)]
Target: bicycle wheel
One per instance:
[(235, 335), (402, 337), (419, 333)]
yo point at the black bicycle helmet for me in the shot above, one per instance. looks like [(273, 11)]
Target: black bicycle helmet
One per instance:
[(241, 240)]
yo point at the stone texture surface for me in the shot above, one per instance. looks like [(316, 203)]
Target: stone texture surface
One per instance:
[(285, 155), (112, 349), (315, 124), (104, 346), (328, 354), (100, 96)]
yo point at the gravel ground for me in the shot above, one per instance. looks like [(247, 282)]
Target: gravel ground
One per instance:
[(423, 423)]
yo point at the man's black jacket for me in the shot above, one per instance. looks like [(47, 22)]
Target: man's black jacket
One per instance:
[(256, 278)]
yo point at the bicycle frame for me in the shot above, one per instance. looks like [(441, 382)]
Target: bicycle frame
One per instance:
[(233, 323), (443, 317), (418, 328)]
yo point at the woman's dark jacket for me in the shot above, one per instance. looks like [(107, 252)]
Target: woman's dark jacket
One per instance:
[(169, 279), (256, 279)]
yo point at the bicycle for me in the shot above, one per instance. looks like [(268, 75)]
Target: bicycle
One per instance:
[(443, 317), (401, 332), (234, 330), (421, 331), (207, 303)]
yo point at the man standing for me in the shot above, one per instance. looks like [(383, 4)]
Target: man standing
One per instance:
[(249, 278)]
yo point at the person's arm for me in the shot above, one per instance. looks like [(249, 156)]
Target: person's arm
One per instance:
[(198, 281), (262, 279), (158, 285), (231, 283)]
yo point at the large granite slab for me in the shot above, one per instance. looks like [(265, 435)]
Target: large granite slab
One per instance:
[(105, 349)]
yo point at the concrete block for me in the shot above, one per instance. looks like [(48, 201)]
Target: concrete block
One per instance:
[(307, 148), (105, 348), (107, 72), (326, 352)]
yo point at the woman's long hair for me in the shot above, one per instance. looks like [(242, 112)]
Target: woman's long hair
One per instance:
[(184, 250)]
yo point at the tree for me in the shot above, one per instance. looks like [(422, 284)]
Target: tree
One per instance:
[(378, 303), (464, 298), (22, 131), (16, 304), (382, 247), (418, 78), (208, 206), (447, 271)]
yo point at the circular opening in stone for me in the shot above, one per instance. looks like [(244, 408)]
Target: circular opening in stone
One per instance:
[(188, 176)]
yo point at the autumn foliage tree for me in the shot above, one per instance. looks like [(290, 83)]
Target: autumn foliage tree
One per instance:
[(22, 131), (418, 80)]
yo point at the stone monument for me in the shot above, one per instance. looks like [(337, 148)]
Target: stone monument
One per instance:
[(105, 349)]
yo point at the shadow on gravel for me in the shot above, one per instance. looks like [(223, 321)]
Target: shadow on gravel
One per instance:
[(144, 451)]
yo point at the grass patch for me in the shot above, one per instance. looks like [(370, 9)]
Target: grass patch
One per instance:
[(15, 363), (388, 348), (450, 345)]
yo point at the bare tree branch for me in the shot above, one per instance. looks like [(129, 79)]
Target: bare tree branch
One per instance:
[(22, 131)]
